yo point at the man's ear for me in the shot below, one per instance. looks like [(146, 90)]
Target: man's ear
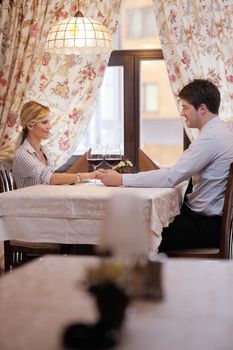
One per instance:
[(203, 108)]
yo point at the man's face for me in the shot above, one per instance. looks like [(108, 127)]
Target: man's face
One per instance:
[(190, 115)]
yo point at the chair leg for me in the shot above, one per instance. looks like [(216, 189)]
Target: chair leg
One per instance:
[(7, 255)]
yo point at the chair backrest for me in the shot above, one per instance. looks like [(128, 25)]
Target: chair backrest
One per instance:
[(145, 163), (79, 166), (6, 180), (227, 219)]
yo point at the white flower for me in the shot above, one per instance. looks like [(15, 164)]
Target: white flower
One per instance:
[(122, 164), (129, 163)]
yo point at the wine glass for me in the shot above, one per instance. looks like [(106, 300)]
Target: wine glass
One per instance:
[(113, 154), (95, 156)]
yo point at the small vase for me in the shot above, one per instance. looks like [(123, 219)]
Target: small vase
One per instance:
[(111, 302)]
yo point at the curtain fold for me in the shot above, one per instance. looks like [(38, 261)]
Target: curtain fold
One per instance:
[(68, 85), (196, 39)]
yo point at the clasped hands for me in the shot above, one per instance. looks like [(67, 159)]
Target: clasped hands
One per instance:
[(109, 177)]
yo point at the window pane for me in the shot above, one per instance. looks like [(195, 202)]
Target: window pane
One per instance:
[(150, 103), (161, 134), (137, 26), (148, 25), (107, 126), (134, 23), (141, 22)]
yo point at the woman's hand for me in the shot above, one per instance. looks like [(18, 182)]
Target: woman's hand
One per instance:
[(89, 176), (93, 174)]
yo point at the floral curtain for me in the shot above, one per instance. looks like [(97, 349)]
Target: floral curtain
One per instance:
[(196, 38), (68, 85)]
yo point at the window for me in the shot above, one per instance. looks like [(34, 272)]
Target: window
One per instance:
[(139, 110), (161, 128), (107, 124), (141, 23), (150, 101), (134, 23)]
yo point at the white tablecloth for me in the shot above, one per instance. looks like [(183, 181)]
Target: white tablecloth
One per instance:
[(76, 214)]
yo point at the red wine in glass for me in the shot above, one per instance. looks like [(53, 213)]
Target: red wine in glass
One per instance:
[(95, 160), (113, 159), (113, 154)]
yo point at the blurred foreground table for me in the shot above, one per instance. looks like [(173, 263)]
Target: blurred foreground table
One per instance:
[(38, 300)]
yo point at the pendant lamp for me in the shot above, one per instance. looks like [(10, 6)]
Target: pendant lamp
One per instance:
[(78, 35)]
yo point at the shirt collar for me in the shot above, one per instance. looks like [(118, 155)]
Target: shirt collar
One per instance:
[(211, 122), (29, 147)]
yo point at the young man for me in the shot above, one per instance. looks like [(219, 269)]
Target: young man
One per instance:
[(207, 161)]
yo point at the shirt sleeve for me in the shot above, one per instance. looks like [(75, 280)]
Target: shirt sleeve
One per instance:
[(28, 165), (199, 154)]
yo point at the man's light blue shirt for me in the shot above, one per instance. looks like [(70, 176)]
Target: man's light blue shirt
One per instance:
[(207, 161)]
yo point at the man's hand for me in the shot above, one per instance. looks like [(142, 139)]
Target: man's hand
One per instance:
[(109, 177)]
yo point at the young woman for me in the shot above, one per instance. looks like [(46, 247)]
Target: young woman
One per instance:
[(32, 164)]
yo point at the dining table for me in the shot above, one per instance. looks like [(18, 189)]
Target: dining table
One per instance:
[(76, 214), (39, 300)]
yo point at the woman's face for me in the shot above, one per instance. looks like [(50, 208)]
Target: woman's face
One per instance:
[(41, 128)]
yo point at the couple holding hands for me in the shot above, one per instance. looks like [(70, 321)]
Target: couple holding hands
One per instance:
[(206, 161)]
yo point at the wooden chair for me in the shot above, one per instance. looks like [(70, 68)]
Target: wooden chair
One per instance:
[(6, 180), (79, 166), (18, 252), (145, 163), (225, 249)]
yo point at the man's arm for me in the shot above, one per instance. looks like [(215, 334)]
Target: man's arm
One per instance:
[(200, 153)]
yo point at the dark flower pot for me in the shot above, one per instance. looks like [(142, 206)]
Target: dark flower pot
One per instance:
[(111, 302)]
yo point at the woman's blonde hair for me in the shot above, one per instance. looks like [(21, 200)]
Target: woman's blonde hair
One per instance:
[(31, 113)]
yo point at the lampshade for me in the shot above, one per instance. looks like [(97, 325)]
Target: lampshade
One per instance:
[(78, 35)]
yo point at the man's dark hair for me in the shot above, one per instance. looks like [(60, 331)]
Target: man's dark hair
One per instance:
[(201, 91)]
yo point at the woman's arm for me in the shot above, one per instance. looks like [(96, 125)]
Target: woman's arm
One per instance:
[(64, 178), (27, 165)]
